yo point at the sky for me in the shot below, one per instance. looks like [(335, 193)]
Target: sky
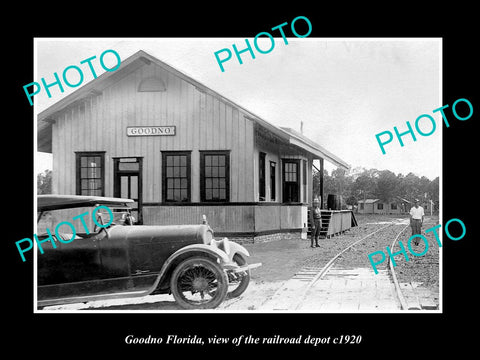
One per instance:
[(345, 91)]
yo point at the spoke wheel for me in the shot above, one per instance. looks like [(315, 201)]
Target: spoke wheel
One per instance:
[(238, 282), (199, 283)]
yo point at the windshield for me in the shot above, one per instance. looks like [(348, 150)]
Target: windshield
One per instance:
[(83, 224)]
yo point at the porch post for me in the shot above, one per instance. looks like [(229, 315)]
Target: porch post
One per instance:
[(321, 184)]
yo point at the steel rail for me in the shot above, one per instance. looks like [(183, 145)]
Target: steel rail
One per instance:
[(329, 265), (398, 290)]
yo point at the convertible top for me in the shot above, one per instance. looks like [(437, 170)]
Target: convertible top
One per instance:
[(54, 202)]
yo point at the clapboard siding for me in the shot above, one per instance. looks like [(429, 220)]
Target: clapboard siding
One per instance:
[(233, 218), (239, 218), (203, 122)]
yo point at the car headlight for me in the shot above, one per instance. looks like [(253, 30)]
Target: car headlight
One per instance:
[(207, 236), (226, 245)]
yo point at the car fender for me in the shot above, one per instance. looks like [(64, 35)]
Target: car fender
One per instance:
[(193, 248), (237, 248), (203, 248)]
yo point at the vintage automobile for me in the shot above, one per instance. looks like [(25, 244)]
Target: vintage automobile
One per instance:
[(126, 260)]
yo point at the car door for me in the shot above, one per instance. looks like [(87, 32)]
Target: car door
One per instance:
[(86, 264), (66, 269)]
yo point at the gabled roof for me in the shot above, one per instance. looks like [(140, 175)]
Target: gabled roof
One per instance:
[(134, 62), (368, 201)]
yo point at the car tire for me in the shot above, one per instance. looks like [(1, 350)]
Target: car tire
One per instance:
[(242, 286), (201, 277)]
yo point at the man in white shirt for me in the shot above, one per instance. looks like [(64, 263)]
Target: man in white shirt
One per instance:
[(416, 219)]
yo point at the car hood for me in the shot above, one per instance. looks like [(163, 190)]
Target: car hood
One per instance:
[(191, 233)]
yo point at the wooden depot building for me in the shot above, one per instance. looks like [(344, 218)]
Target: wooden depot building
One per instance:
[(180, 150)]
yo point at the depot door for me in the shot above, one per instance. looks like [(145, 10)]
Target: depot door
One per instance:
[(128, 183), (290, 179)]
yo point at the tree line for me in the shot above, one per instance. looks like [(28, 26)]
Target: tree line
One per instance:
[(360, 183), (44, 182)]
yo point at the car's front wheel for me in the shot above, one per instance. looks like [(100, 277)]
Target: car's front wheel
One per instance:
[(199, 283)]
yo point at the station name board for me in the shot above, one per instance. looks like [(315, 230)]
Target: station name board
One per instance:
[(150, 130)]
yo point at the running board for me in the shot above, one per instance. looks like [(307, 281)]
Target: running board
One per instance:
[(83, 299)]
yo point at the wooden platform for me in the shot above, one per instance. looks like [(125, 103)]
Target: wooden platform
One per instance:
[(335, 222)]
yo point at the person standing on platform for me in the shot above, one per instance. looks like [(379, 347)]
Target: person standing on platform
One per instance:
[(416, 220), (315, 221)]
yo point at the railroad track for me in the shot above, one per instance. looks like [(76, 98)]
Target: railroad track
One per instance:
[(330, 264), (298, 291), (400, 288)]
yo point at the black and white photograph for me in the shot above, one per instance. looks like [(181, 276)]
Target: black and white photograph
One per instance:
[(212, 184), (272, 198)]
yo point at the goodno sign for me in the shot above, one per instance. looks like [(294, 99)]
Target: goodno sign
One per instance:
[(150, 130)]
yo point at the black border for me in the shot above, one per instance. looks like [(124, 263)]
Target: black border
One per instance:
[(383, 334)]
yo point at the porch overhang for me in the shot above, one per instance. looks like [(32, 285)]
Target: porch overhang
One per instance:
[(295, 138)]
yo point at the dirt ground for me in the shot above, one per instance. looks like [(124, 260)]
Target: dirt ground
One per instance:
[(282, 259)]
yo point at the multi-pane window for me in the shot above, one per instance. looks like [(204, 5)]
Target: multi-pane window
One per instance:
[(290, 171), (214, 175), (291, 186), (273, 167), (380, 206), (261, 176), (90, 173), (176, 176)]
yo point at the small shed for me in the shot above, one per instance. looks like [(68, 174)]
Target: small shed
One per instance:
[(377, 206)]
